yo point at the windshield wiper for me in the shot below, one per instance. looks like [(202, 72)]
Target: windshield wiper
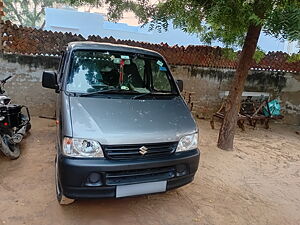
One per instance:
[(152, 93), (108, 91)]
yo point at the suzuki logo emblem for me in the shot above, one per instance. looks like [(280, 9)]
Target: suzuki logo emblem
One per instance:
[(143, 150)]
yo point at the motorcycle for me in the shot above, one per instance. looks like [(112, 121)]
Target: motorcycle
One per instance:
[(14, 124)]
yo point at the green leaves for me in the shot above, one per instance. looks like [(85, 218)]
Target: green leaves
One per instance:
[(259, 55), (229, 53), (28, 12), (284, 22), (294, 58), (225, 20)]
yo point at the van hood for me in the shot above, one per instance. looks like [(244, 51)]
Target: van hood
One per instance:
[(129, 121)]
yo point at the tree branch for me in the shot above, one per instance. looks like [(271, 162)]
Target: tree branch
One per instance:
[(15, 12)]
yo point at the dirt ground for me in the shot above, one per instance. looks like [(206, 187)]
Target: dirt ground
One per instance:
[(257, 183)]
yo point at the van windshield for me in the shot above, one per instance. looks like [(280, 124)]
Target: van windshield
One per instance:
[(96, 72)]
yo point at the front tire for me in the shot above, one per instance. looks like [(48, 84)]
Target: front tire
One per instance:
[(8, 148), (62, 200)]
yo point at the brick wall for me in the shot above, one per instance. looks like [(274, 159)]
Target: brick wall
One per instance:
[(26, 40)]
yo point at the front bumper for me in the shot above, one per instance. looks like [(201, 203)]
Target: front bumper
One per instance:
[(74, 173)]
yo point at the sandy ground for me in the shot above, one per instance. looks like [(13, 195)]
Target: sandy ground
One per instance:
[(258, 183)]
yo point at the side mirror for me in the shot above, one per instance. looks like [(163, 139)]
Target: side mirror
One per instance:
[(180, 85), (49, 80)]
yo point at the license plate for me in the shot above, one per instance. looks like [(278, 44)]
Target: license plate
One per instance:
[(140, 189)]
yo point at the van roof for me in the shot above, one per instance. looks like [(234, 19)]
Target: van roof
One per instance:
[(91, 45)]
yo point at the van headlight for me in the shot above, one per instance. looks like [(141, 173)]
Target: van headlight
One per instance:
[(188, 142), (77, 147)]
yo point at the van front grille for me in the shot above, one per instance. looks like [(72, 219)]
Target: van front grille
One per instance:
[(140, 176), (139, 151)]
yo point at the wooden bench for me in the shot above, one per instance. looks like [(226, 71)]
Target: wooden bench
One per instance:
[(251, 110), (220, 115)]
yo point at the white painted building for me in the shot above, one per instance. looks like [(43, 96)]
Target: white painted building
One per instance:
[(85, 23)]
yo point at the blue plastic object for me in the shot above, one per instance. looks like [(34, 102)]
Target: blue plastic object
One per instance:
[(162, 68), (274, 108)]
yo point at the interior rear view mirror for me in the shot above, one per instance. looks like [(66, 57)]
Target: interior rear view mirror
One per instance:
[(180, 85)]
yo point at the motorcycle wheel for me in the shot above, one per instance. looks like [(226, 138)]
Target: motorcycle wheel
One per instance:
[(10, 150)]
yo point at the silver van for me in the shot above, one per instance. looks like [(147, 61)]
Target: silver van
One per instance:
[(123, 128)]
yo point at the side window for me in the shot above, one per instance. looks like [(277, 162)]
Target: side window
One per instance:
[(160, 76), (61, 67)]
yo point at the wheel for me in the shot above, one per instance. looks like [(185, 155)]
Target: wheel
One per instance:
[(62, 200), (9, 149)]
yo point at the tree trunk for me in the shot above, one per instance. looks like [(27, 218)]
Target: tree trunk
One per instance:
[(232, 107)]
